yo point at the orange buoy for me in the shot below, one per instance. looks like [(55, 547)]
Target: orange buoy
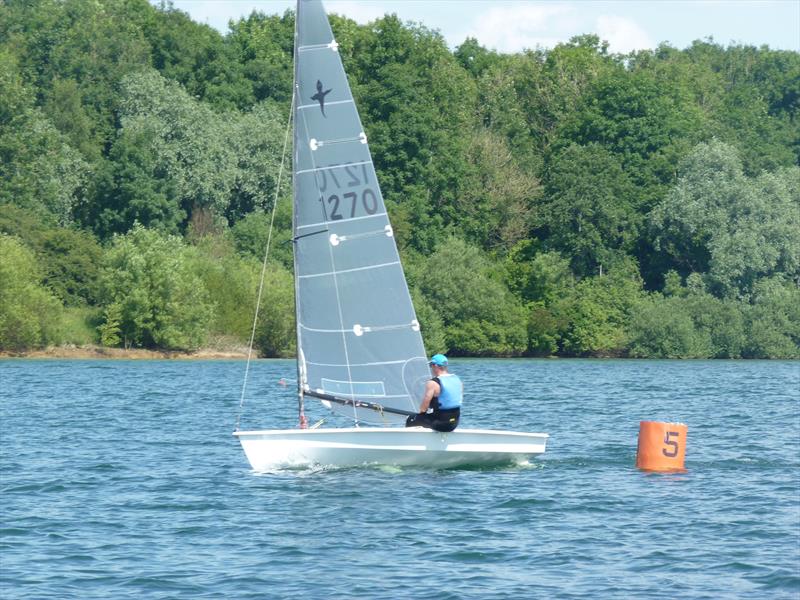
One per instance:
[(662, 446)]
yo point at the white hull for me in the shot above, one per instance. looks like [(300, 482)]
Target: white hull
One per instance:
[(413, 446)]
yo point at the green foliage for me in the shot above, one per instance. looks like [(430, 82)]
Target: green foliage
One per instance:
[(480, 316), (733, 228), (231, 283), (39, 170), (264, 47), (275, 329), (250, 235), (431, 324), (660, 329), (588, 212), (135, 189), (773, 320), (28, 311), (67, 258), (647, 120), (417, 140), (544, 330), (476, 59), (70, 261), (199, 58), (538, 276), (188, 141), (495, 197), (110, 329), (531, 195), (257, 138), (595, 315), (78, 326), (687, 325), (161, 301)]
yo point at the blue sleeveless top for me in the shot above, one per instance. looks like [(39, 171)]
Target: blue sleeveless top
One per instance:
[(450, 394)]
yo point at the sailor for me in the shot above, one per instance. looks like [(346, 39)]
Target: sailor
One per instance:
[(443, 395)]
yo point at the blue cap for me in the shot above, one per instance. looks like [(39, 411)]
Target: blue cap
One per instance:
[(440, 360)]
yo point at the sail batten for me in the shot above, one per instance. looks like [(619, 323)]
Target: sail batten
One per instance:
[(358, 333), (321, 223)]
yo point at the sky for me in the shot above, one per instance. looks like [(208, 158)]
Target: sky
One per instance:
[(513, 25)]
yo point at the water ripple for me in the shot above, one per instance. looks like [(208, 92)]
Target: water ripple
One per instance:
[(121, 480)]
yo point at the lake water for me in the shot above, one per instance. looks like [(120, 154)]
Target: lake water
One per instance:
[(121, 479)]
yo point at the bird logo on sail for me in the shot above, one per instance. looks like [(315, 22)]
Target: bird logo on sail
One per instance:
[(320, 97)]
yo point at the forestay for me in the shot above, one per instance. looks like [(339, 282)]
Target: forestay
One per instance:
[(358, 334)]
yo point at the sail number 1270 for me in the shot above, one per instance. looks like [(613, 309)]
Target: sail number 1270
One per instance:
[(346, 202), (336, 207)]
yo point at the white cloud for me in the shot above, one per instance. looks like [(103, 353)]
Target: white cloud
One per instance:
[(623, 34), (513, 28)]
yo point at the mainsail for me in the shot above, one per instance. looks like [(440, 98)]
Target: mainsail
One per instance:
[(358, 335)]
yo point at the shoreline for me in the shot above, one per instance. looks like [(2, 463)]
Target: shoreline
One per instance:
[(100, 352)]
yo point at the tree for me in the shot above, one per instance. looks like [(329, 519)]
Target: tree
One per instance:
[(189, 144), (196, 56), (232, 284), (589, 208), (474, 58), (151, 293), (595, 315), (68, 258), (495, 198), (39, 170), (431, 324), (660, 329), (28, 311), (773, 320), (275, 329), (690, 324), (263, 45), (136, 189), (734, 229), (538, 276), (649, 121), (257, 139), (416, 101), (481, 317)]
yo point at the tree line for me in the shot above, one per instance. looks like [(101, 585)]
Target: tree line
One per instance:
[(581, 202)]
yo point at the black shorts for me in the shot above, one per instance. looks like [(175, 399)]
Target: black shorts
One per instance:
[(439, 420)]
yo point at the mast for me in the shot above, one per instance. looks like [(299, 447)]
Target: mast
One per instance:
[(300, 401)]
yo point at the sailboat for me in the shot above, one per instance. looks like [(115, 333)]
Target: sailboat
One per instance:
[(359, 346)]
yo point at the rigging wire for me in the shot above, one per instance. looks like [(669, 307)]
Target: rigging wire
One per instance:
[(264, 265)]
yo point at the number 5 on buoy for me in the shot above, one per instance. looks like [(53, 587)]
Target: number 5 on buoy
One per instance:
[(662, 446)]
